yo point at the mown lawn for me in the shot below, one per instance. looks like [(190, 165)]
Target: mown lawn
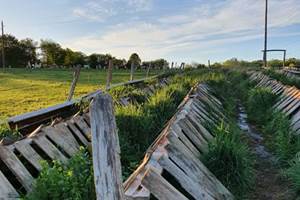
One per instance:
[(22, 90)]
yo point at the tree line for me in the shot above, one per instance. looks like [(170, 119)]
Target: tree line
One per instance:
[(274, 63), (47, 53)]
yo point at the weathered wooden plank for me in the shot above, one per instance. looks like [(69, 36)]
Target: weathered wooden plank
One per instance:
[(83, 126), (292, 109), (86, 117), (49, 148), (295, 118), (77, 133), (205, 133), (195, 189), (286, 95), (29, 153), (291, 98), (175, 129), (63, 138), (16, 167), (106, 150), (161, 188), (197, 139), (7, 191), (192, 165), (291, 105)]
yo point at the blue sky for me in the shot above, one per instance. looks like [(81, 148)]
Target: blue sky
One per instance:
[(179, 30)]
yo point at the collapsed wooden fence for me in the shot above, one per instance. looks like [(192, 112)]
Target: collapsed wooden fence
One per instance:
[(171, 168), (26, 123), (289, 97)]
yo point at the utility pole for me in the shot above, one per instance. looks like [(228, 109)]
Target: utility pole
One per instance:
[(266, 35), (3, 55)]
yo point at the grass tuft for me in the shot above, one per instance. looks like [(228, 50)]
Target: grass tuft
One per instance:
[(230, 160)]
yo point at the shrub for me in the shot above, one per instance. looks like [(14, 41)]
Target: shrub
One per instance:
[(293, 172), (286, 143), (73, 181), (5, 131), (230, 160), (259, 104), (128, 91)]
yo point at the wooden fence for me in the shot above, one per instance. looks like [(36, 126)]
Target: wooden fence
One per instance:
[(171, 169), (289, 97), (26, 123)]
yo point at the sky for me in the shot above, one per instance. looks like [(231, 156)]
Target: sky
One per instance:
[(178, 30)]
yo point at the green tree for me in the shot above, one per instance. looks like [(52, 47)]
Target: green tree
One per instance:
[(29, 50), (52, 53), (135, 59), (18, 53)]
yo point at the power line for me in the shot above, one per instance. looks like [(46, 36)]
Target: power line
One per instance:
[(3, 54), (266, 35)]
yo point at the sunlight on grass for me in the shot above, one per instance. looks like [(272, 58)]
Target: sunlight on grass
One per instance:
[(22, 90)]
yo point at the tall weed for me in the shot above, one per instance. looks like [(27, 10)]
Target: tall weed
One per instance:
[(230, 160), (259, 104)]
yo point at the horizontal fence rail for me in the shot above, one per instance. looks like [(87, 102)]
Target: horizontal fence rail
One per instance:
[(27, 122)]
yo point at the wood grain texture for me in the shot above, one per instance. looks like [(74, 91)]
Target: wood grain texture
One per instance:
[(7, 191), (16, 167), (106, 150), (160, 187), (29, 153)]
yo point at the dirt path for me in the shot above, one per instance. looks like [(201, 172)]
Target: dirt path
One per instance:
[(269, 184)]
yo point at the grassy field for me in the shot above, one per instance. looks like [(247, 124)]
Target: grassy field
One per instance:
[(22, 90)]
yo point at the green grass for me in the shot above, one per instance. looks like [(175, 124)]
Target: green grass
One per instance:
[(230, 160), (285, 143), (283, 78), (229, 156), (23, 90), (259, 105)]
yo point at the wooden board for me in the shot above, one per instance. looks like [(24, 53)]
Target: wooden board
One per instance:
[(63, 138), (16, 167), (106, 150), (7, 191), (160, 188), (49, 148), (29, 153)]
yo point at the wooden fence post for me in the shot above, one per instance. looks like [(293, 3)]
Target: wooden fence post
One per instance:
[(74, 82), (148, 70), (106, 150), (131, 71), (109, 74)]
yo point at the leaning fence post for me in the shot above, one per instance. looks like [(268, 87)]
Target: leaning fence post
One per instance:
[(74, 82), (106, 150), (148, 70), (109, 74), (131, 71)]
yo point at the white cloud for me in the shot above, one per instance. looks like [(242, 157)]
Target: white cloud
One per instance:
[(229, 22), (99, 10)]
